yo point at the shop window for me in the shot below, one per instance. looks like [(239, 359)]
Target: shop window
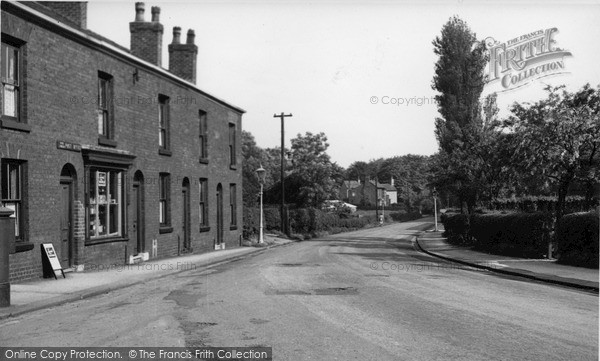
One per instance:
[(12, 193), (105, 217)]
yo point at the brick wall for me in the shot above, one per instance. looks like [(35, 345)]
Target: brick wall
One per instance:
[(61, 105)]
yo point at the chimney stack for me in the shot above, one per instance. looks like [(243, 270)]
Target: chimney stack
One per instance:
[(146, 37), (182, 57), (73, 11)]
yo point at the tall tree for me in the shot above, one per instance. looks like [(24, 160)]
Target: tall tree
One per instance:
[(459, 78)]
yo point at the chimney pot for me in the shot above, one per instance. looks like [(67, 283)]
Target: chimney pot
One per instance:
[(176, 35), (190, 37), (139, 12), (155, 14)]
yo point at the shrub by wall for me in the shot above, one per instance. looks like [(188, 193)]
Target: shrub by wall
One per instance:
[(512, 234), (577, 239)]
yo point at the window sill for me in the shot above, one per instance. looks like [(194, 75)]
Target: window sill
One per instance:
[(107, 142), (165, 229), (23, 246), (204, 228), (204, 160), (233, 228), (95, 241), (14, 125), (166, 152), (233, 167)]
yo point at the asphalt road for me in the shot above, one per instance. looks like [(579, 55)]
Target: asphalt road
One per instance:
[(365, 295)]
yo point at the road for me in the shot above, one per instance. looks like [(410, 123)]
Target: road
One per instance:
[(364, 295)]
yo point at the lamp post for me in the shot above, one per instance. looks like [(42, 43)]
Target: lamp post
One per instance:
[(261, 174), (434, 193)]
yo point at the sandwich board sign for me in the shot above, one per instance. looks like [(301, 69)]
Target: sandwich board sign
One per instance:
[(50, 261)]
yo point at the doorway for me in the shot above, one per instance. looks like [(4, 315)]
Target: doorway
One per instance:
[(67, 181), (138, 212), (185, 195)]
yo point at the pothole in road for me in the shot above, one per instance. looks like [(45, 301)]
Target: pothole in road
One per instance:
[(296, 265), (336, 291), (182, 298), (258, 321)]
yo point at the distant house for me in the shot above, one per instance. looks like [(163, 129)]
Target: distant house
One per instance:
[(368, 193)]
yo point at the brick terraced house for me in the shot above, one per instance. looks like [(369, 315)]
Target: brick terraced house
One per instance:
[(106, 154)]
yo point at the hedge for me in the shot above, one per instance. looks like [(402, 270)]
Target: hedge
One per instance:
[(456, 228), (541, 204), (577, 239), (403, 216), (302, 221), (512, 234)]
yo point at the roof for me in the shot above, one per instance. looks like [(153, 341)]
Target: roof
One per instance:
[(386, 186), (48, 18), (351, 184)]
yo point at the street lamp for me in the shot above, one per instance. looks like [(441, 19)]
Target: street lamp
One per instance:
[(261, 174), (434, 193)]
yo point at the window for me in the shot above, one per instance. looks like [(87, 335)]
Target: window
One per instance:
[(105, 118), (163, 124), (12, 193), (105, 217), (12, 85), (203, 136), (232, 145), (164, 200), (233, 204), (203, 209)]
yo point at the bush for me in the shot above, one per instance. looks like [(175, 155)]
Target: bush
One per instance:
[(314, 221), (512, 234), (456, 228), (577, 239)]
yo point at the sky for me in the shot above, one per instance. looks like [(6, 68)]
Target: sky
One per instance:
[(359, 71)]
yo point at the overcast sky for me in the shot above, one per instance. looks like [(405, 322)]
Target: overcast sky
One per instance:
[(324, 62)]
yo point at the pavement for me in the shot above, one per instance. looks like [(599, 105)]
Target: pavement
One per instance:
[(48, 292), (545, 270)]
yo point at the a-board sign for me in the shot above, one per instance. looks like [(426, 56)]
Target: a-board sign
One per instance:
[(50, 262)]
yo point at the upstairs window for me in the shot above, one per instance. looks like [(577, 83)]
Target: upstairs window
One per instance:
[(203, 135), (105, 121), (232, 145), (11, 82), (163, 124)]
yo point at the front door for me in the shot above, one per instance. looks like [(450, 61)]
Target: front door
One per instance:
[(219, 215), (185, 193), (66, 233), (138, 216)]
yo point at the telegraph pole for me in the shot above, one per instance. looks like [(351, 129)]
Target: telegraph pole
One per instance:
[(283, 223)]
